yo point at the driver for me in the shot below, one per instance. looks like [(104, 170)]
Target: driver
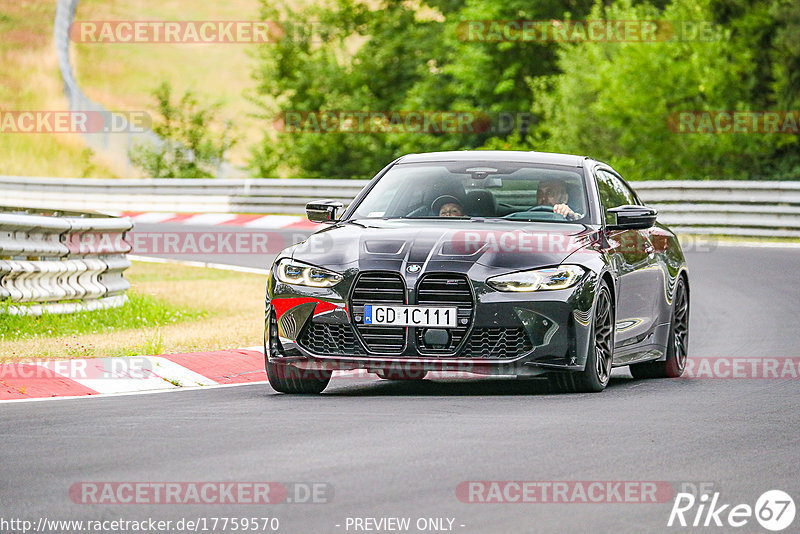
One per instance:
[(447, 206), (554, 193)]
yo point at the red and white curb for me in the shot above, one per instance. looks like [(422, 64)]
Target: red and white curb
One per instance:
[(99, 377), (134, 374), (269, 222)]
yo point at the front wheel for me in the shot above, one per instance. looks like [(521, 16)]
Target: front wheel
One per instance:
[(597, 371), (677, 345), (285, 378)]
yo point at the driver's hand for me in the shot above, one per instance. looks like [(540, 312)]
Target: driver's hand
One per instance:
[(566, 211)]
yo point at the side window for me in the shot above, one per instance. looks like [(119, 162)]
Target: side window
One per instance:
[(613, 193)]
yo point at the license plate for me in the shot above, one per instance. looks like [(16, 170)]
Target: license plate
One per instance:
[(410, 316)]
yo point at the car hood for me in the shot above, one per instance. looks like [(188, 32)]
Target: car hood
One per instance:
[(388, 244)]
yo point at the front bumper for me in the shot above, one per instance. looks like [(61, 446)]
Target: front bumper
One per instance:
[(508, 333)]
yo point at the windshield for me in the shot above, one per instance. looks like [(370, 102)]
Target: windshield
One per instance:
[(511, 191)]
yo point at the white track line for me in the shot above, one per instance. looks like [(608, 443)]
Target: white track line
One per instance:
[(220, 266), (146, 392)]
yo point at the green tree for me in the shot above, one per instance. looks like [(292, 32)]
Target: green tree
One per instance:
[(189, 146), (609, 100), (613, 100), (398, 55)]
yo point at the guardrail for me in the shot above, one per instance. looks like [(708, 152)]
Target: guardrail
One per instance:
[(741, 208), (726, 207), (61, 262), (176, 195)]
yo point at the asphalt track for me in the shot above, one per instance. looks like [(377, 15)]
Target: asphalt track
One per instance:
[(392, 449)]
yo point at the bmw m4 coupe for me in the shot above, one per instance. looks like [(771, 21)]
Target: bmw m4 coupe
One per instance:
[(502, 263)]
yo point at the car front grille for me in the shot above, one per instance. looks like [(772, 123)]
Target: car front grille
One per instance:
[(379, 288), (433, 289), (445, 289), (497, 343)]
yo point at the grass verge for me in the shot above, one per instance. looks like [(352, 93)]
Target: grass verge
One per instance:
[(172, 308), (140, 311)]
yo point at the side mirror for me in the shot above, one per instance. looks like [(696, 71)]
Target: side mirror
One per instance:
[(633, 217), (323, 210)]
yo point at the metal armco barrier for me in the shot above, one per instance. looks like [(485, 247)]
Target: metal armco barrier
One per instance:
[(738, 208), (176, 195), (61, 262), (726, 207)]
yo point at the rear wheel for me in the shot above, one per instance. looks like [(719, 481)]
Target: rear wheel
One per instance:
[(597, 371), (677, 345), (285, 378)]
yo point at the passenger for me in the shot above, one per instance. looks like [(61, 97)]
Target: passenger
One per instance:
[(447, 206)]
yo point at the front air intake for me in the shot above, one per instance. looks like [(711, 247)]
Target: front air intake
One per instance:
[(497, 344)]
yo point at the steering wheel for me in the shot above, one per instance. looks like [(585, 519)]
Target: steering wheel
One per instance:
[(543, 207), (547, 209)]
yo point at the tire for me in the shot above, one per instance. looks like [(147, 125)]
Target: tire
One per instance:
[(677, 345), (409, 375), (285, 378), (597, 371)]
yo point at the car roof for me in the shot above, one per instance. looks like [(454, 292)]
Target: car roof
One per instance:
[(548, 158)]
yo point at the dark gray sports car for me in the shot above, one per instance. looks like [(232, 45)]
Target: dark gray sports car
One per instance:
[(510, 263)]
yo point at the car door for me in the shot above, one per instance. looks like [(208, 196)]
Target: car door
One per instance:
[(638, 277)]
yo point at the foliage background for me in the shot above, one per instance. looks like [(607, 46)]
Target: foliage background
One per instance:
[(607, 100)]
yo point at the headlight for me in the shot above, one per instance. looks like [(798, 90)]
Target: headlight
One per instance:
[(302, 274), (539, 279)]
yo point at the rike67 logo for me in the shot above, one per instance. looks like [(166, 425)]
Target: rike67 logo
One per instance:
[(774, 510)]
